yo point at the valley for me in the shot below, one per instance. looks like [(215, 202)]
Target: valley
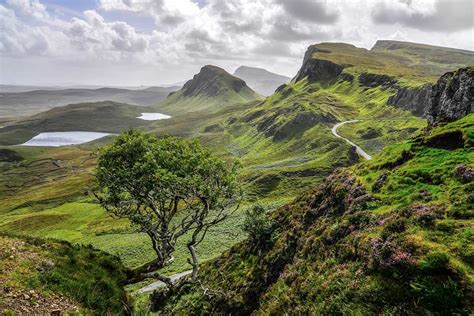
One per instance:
[(313, 155)]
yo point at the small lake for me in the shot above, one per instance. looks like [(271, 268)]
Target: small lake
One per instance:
[(56, 139), (153, 116)]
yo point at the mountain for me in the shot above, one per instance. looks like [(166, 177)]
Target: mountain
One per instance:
[(27, 103), (211, 89), (261, 80), (105, 116), (388, 236)]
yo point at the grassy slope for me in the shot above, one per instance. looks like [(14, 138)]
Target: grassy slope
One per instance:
[(275, 170), (40, 276), (427, 59), (349, 247)]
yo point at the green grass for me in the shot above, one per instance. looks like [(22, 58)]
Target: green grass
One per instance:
[(93, 279), (349, 247)]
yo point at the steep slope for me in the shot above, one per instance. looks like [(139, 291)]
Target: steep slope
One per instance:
[(287, 140), (452, 97), (32, 102), (261, 80), (43, 277), (210, 90), (425, 59), (106, 116), (389, 236)]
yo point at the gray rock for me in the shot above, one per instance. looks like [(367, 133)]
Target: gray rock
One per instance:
[(452, 97), (414, 100), (374, 80), (317, 69)]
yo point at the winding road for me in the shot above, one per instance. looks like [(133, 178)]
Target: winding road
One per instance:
[(158, 284), (359, 150)]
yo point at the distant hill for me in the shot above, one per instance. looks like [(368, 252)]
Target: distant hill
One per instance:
[(27, 103), (431, 59), (261, 80), (211, 89), (105, 116)]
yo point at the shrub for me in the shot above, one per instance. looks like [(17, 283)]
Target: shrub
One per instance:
[(435, 262), (258, 228)]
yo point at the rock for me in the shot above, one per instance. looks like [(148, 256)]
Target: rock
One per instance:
[(8, 155), (370, 133), (452, 97), (317, 69), (380, 182), (464, 173), (346, 77), (414, 100), (375, 80)]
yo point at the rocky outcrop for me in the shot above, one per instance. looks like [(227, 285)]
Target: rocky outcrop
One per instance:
[(317, 69), (452, 97), (414, 100), (374, 80)]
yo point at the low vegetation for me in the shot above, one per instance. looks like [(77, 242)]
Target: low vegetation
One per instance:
[(46, 276), (387, 236)]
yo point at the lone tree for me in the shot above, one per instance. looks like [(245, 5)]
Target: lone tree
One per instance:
[(170, 188)]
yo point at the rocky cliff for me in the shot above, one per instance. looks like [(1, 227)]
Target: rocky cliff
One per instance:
[(414, 100), (317, 69), (452, 97)]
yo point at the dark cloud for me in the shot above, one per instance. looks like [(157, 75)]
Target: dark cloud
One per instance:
[(315, 11), (448, 16)]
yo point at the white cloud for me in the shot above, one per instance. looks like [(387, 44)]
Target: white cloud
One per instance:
[(269, 33)]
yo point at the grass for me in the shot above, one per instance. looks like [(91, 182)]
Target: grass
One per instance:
[(50, 272), (283, 142), (349, 246)]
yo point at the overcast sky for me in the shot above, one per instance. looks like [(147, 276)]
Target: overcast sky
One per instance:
[(144, 42)]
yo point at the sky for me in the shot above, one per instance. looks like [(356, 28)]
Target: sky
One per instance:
[(145, 42)]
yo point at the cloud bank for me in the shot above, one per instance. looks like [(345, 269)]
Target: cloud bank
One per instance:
[(107, 43)]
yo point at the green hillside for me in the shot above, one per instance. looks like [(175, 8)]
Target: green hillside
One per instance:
[(44, 276), (389, 236), (285, 146), (429, 59), (210, 90)]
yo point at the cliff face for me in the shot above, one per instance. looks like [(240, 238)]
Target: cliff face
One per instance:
[(452, 97), (317, 69), (414, 100)]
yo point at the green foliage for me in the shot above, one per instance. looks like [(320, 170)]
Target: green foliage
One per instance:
[(259, 227), (93, 278), (343, 248), (168, 187)]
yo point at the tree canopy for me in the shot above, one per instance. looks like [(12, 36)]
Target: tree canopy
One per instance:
[(169, 188)]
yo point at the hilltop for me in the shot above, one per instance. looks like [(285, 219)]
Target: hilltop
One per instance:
[(210, 90), (261, 80)]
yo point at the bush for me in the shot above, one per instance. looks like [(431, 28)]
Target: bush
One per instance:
[(435, 262), (258, 228)]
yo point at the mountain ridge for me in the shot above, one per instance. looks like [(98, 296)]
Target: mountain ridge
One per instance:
[(261, 80)]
